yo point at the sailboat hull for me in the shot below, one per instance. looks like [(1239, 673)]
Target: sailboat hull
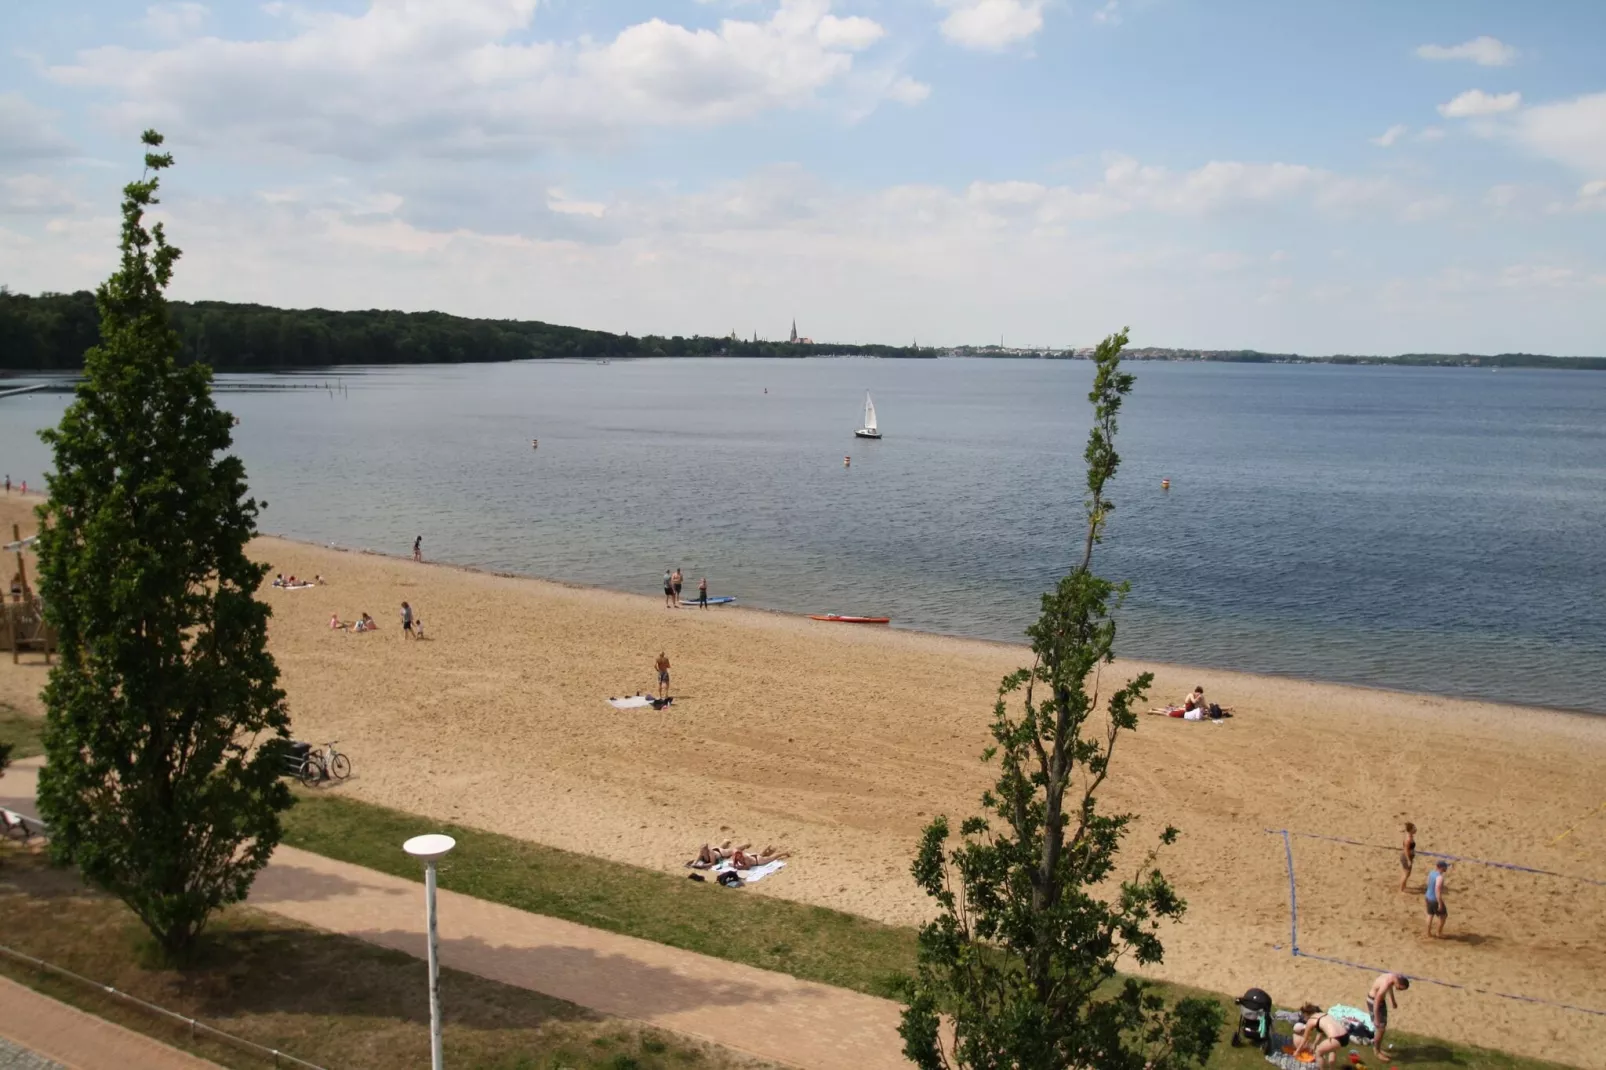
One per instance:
[(865, 433)]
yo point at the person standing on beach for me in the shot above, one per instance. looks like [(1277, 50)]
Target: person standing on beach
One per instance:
[(1435, 897), (407, 621), (8, 482), (1407, 853), (662, 665), (669, 590), (679, 579), (1378, 998), (418, 548), (702, 592)]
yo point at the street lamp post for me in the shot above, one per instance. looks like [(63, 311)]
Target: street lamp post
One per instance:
[(429, 848)]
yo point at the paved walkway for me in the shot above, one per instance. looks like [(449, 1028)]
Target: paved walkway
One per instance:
[(68, 1037), (770, 1015)]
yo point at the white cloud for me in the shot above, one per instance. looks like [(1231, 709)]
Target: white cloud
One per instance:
[(176, 20), (1430, 133), (906, 90), (991, 25), (1391, 135), (26, 132), (558, 201), (1503, 195), (852, 33), (32, 194), (1475, 102), (1425, 208), (1571, 132), (1109, 14), (408, 79), (1484, 51)]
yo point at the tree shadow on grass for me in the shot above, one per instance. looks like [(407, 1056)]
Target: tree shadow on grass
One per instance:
[(1436, 1054)]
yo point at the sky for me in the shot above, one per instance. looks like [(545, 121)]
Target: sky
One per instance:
[(1317, 177)]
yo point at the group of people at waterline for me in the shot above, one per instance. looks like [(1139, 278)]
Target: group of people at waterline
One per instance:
[(673, 581)]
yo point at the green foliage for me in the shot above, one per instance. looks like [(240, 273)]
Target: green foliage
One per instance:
[(1022, 956), (155, 785), (52, 331), (5, 757)]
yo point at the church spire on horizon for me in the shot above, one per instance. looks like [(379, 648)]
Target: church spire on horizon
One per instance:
[(794, 328)]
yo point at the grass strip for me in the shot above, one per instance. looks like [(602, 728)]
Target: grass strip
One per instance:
[(332, 1000), (21, 731), (808, 942)]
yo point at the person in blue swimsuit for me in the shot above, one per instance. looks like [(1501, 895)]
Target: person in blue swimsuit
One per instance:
[(1435, 897)]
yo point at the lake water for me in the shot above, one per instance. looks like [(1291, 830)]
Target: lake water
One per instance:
[(1439, 530)]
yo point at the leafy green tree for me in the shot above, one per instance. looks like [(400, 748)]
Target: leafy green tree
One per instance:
[(164, 722), (1021, 958)]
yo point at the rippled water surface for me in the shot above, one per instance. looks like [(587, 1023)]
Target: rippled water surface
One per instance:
[(1439, 530)]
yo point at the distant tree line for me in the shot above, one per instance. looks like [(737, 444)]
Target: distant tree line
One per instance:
[(53, 331)]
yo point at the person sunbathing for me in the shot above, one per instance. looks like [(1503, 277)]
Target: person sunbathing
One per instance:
[(742, 860), (713, 856)]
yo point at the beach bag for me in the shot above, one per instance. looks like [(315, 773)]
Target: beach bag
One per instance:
[(730, 879), (1215, 712)]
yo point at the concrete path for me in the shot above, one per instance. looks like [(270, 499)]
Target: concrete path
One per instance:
[(71, 1038), (769, 1015)]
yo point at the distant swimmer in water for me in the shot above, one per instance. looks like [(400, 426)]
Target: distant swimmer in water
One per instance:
[(535, 443), (847, 462)]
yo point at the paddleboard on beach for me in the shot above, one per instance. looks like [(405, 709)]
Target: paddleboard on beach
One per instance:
[(722, 600), (840, 619)]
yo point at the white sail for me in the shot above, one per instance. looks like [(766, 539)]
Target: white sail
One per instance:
[(869, 413)]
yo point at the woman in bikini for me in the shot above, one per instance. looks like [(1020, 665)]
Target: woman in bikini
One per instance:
[(1334, 1033), (1407, 853)]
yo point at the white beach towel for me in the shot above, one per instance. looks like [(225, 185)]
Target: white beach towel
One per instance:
[(631, 703), (750, 876)]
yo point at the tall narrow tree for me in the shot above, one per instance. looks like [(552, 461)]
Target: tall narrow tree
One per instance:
[(164, 722), (1022, 956)]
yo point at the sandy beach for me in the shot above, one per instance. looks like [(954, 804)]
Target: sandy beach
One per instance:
[(840, 742)]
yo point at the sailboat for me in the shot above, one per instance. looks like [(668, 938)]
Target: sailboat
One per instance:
[(869, 430)]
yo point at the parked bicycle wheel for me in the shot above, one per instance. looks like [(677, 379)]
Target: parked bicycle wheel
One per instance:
[(312, 772), (340, 767)]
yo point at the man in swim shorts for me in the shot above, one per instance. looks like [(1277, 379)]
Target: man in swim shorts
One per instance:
[(662, 665), (669, 590), (1378, 999), (1435, 897), (678, 580), (702, 592)]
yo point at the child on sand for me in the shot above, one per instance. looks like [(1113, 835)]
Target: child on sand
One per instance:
[(702, 592)]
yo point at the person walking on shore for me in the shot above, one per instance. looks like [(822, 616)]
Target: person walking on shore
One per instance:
[(662, 665), (1407, 853), (418, 548), (407, 621), (669, 589), (1378, 999), (8, 482), (679, 579), (1435, 897), (702, 592)]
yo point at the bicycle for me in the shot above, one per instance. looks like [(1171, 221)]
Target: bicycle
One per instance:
[(330, 762)]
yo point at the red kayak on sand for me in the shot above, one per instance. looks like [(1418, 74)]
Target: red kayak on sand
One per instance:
[(840, 619)]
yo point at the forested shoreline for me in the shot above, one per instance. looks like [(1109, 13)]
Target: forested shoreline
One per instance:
[(50, 332)]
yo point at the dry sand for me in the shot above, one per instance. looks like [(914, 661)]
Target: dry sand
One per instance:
[(842, 741)]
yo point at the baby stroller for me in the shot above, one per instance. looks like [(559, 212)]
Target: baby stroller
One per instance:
[(1254, 1021)]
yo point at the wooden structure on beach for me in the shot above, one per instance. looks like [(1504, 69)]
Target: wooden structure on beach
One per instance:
[(24, 626)]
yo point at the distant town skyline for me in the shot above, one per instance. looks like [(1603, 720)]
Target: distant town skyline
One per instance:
[(1331, 177)]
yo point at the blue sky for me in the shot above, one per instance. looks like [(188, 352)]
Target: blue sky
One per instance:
[(1319, 177)]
